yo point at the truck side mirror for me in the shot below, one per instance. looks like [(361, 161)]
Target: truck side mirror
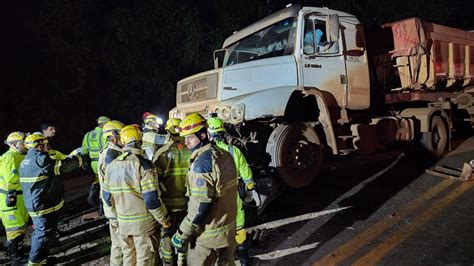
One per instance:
[(219, 58), (332, 28)]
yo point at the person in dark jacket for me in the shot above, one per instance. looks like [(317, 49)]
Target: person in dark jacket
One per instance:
[(43, 192)]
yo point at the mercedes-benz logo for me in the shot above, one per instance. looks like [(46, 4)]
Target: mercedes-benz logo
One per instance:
[(191, 90)]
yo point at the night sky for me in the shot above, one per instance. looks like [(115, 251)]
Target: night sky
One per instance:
[(67, 62)]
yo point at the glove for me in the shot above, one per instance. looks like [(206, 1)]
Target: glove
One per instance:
[(11, 198), (178, 241), (250, 186), (85, 161), (167, 232)]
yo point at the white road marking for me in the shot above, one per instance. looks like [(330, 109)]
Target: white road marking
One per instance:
[(299, 218), (285, 252), (360, 186)]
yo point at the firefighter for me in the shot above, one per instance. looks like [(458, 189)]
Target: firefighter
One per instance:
[(111, 132), (151, 137), (92, 143), (43, 192), (209, 225), (130, 188), (244, 173), (13, 213), (172, 163)]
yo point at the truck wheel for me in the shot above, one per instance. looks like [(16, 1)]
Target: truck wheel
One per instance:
[(296, 153), (436, 141)]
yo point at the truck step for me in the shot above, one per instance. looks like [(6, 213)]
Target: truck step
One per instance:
[(346, 151)]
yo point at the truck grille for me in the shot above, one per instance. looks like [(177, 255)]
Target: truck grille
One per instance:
[(199, 89)]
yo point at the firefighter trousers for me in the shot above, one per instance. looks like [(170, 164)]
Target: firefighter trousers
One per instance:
[(116, 256), (140, 249), (203, 256), (46, 227)]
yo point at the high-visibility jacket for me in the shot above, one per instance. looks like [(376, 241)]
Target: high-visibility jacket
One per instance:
[(243, 172), (41, 183), (14, 218), (212, 190), (106, 156), (242, 167), (172, 163), (131, 188), (10, 162), (92, 144)]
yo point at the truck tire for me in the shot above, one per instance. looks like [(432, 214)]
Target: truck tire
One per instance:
[(436, 141), (296, 153)]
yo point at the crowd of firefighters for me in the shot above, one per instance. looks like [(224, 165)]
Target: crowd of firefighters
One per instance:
[(171, 198)]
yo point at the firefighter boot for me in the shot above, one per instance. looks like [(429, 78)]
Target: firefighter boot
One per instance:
[(243, 254), (15, 250)]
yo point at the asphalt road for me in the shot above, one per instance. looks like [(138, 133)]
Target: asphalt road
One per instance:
[(376, 209)]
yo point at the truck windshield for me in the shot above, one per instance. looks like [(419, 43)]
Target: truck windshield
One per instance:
[(275, 40)]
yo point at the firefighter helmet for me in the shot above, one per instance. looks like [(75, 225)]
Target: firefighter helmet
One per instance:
[(33, 140), (215, 125), (102, 120), (130, 134), (191, 124), (172, 125), (112, 128)]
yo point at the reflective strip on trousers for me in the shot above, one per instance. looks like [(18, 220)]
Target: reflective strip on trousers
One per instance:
[(134, 218), (48, 210), (43, 262), (219, 230)]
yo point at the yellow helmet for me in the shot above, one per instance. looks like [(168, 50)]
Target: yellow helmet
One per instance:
[(112, 128), (215, 125), (153, 121), (14, 137), (172, 125), (191, 124), (102, 120), (33, 140), (130, 134)]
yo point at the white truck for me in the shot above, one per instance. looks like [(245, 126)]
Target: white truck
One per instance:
[(308, 82)]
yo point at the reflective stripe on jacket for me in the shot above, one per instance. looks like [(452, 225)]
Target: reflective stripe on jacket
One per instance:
[(172, 163), (130, 187), (212, 179), (40, 181), (106, 156), (92, 144)]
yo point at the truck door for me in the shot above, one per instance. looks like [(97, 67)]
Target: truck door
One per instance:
[(323, 64)]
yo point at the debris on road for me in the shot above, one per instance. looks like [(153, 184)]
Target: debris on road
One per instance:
[(464, 174)]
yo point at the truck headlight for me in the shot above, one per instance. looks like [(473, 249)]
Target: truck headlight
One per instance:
[(237, 113), (230, 113), (225, 114)]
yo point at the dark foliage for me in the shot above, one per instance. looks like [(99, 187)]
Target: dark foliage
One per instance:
[(70, 61)]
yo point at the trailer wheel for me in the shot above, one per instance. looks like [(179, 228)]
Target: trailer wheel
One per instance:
[(436, 141), (296, 153)]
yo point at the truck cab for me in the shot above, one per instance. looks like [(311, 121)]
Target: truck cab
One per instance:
[(261, 66)]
